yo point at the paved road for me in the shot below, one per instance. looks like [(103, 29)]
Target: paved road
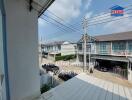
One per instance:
[(66, 66)]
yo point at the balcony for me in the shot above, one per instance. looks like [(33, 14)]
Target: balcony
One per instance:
[(121, 53), (112, 52), (87, 52)]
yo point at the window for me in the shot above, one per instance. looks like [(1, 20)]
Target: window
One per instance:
[(118, 46), (130, 46), (103, 48), (79, 46), (59, 47)]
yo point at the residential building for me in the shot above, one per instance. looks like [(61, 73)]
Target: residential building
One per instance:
[(19, 71), (60, 48), (112, 51)]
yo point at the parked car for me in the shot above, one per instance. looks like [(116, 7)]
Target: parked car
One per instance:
[(66, 76), (51, 67), (104, 69)]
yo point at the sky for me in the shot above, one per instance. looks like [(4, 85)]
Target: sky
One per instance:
[(71, 14)]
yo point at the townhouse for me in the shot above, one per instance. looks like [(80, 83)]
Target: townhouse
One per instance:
[(112, 51), (58, 48)]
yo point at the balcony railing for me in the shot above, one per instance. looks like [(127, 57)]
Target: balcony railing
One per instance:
[(81, 52), (121, 52), (113, 52)]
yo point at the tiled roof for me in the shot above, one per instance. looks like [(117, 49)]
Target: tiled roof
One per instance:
[(115, 36)]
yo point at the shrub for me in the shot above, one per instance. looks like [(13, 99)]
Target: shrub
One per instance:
[(65, 58), (45, 88)]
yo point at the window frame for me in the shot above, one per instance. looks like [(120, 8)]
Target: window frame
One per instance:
[(6, 76)]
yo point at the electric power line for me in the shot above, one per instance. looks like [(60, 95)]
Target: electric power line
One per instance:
[(53, 24), (89, 24)]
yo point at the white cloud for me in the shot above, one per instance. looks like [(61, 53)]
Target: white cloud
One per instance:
[(89, 14), (118, 24), (124, 24), (100, 17), (67, 9), (41, 22), (88, 3)]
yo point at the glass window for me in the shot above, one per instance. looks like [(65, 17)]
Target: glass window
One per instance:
[(103, 48), (79, 46), (130, 46), (119, 46), (59, 47)]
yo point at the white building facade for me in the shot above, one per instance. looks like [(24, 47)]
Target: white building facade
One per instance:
[(58, 48)]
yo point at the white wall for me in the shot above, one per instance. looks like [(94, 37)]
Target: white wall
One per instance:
[(130, 75), (22, 46), (67, 49)]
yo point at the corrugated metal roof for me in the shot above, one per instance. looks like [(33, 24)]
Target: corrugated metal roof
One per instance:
[(42, 5), (115, 36), (53, 43), (84, 87), (112, 58)]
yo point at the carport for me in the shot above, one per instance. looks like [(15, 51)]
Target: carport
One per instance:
[(117, 65)]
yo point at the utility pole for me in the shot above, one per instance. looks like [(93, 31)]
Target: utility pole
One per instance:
[(89, 49), (85, 25)]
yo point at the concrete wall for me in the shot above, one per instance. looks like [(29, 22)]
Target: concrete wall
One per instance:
[(22, 46)]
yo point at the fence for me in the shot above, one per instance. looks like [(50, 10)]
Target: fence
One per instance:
[(122, 73)]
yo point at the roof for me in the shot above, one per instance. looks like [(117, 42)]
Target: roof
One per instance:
[(42, 5), (113, 58), (115, 36), (84, 87), (116, 7), (53, 43)]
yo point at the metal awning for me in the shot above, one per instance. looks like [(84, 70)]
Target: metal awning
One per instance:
[(40, 5), (123, 59)]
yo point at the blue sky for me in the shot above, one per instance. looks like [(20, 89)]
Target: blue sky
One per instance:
[(73, 11)]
